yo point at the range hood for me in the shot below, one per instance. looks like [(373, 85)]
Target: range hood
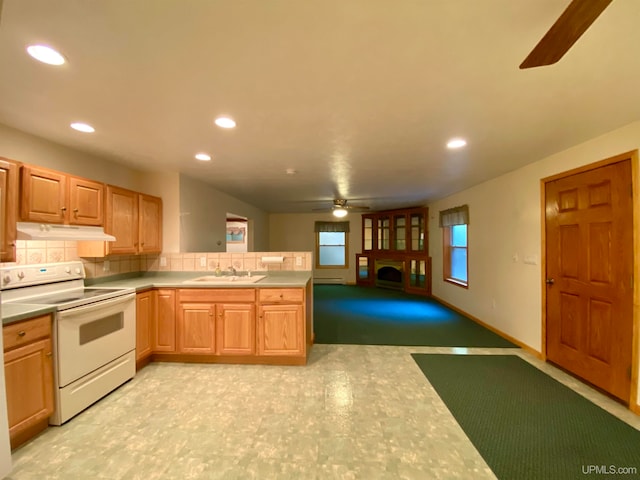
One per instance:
[(46, 231)]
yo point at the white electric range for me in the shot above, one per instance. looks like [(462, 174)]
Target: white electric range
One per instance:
[(93, 331)]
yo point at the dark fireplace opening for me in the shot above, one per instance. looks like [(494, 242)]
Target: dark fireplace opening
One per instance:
[(390, 274)]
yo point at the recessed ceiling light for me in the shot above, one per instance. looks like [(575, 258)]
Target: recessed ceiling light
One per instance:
[(83, 127), (45, 54), (225, 122), (456, 143), (203, 156), (291, 171)]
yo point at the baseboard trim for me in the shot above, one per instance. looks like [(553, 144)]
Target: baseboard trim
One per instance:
[(495, 330)]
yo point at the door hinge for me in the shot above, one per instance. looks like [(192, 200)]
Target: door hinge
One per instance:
[(629, 372)]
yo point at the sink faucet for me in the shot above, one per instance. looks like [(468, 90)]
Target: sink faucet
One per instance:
[(232, 270)]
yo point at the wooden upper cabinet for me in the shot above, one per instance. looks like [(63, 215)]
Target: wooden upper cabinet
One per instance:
[(8, 209), (43, 196), (122, 220), (53, 197), (396, 231), (135, 219), (86, 201), (150, 224)]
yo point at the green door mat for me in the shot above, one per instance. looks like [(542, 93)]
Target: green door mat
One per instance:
[(526, 425)]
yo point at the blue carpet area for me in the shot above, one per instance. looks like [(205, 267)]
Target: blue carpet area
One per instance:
[(372, 316)]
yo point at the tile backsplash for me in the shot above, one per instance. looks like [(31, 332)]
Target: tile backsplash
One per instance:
[(49, 251)]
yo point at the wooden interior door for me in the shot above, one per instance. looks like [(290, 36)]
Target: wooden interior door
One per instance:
[(589, 270)]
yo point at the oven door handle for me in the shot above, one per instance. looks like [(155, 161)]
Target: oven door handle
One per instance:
[(100, 305)]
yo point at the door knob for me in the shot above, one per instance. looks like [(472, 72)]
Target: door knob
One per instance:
[(550, 281)]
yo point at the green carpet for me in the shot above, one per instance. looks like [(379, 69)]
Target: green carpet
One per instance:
[(354, 315), (525, 424)]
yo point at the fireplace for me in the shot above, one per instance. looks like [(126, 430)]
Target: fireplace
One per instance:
[(389, 274)]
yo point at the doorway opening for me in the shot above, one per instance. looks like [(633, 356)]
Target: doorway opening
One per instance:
[(237, 233)]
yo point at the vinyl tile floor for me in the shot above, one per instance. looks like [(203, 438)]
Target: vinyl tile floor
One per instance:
[(354, 412)]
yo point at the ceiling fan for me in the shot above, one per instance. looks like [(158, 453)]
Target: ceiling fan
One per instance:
[(340, 208), (569, 27)]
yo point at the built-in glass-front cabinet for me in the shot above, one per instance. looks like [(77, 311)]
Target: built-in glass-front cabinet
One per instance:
[(395, 240)]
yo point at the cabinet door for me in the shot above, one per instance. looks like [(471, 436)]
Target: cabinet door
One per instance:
[(280, 330), (384, 232), (9, 209), (44, 195), (86, 199), (122, 220), (145, 312), (150, 233), (399, 232), (164, 326), (29, 381), (196, 328), (236, 329)]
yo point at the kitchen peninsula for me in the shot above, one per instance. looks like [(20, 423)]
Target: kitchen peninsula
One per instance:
[(228, 320)]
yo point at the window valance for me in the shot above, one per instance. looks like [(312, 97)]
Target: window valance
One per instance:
[(332, 227), (454, 216)]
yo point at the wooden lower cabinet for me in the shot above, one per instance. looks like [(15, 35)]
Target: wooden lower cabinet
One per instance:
[(164, 326), (281, 330), (28, 366), (196, 328), (145, 313), (230, 325), (236, 329)]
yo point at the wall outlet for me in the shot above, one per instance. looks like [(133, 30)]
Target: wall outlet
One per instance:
[(298, 261), (531, 259), (163, 261), (106, 266), (203, 261)]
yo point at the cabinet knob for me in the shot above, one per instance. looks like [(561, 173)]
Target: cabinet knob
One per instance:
[(48, 354), (22, 333), (64, 209)]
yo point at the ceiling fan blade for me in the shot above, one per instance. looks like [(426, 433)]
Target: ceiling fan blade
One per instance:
[(569, 27)]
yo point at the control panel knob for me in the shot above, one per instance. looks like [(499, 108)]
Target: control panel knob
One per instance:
[(78, 271), (6, 278), (20, 274), (67, 270)]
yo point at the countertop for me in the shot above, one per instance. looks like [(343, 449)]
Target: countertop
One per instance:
[(13, 312)]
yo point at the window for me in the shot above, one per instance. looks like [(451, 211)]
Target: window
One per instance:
[(332, 244), (456, 253), (454, 223)]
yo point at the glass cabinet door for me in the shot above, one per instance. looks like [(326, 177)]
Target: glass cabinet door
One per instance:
[(417, 273), (364, 272), (399, 232), (383, 233), (417, 232), (367, 233)]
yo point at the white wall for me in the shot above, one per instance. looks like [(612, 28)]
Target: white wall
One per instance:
[(295, 232), (505, 220), (167, 186), (203, 218), (26, 148)]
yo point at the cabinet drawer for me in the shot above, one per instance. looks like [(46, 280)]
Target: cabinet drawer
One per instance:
[(277, 295), (216, 295), (21, 333)]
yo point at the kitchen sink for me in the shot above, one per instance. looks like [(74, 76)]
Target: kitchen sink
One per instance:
[(224, 279)]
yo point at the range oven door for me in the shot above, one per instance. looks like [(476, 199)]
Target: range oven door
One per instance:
[(91, 336)]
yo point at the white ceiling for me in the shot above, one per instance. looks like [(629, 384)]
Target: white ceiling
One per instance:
[(358, 96)]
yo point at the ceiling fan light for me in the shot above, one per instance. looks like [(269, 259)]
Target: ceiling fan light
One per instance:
[(339, 212)]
